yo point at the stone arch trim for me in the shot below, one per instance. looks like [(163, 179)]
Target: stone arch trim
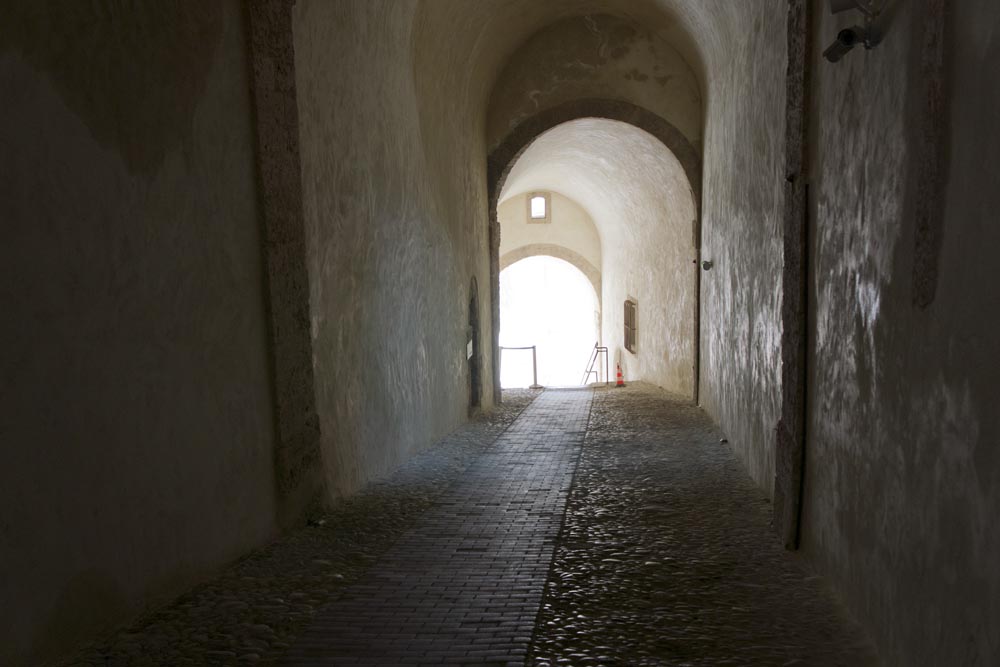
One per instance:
[(502, 158), (559, 252), (298, 454), (475, 358)]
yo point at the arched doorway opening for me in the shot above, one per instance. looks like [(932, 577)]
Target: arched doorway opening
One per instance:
[(639, 179), (548, 303), (473, 352)]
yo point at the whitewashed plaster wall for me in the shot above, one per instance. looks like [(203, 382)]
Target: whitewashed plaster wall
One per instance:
[(741, 235), (136, 419), (395, 210), (637, 194), (902, 487)]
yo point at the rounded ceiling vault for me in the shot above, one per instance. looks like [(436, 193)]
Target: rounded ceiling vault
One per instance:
[(461, 48), (616, 171)]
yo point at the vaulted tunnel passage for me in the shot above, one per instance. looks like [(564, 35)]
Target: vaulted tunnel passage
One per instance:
[(635, 194), (250, 279), (548, 304)]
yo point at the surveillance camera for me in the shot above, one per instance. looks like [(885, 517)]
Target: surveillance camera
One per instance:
[(846, 40), (870, 35)]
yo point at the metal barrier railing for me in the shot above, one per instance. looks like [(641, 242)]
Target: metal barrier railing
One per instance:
[(595, 360), (534, 362)]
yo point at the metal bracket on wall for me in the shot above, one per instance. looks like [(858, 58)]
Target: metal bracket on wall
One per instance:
[(869, 35)]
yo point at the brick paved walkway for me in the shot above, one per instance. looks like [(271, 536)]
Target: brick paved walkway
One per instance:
[(465, 584), (649, 540)]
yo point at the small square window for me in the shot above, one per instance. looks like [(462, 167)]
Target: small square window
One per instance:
[(630, 326), (538, 207)]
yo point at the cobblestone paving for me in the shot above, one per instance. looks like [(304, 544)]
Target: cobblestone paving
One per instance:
[(253, 610), (464, 586), (666, 556), (487, 548)]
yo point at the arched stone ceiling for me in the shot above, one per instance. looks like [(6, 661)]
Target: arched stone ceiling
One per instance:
[(616, 171), (595, 56), (461, 46)]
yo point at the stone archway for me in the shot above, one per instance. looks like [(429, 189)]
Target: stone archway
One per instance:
[(559, 252), (474, 351), (502, 159), (578, 261)]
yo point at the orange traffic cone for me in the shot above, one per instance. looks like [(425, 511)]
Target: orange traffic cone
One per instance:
[(621, 380)]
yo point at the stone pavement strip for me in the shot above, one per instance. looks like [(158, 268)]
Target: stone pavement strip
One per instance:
[(666, 556), (251, 611), (592, 527), (465, 584)]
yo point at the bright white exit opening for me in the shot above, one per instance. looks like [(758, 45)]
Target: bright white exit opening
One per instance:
[(538, 207), (549, 303)]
